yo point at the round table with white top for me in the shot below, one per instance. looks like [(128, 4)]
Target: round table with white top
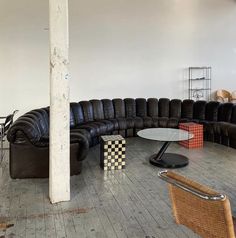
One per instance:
[(167, 135)]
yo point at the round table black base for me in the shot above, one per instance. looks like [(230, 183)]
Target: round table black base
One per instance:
[(169, 160)]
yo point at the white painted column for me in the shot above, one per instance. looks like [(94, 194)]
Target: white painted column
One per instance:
[(59, 172)]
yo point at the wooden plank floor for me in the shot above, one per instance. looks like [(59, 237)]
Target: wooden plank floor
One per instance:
[(129, 203)]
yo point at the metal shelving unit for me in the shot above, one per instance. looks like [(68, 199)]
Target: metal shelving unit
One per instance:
[(200, 83)]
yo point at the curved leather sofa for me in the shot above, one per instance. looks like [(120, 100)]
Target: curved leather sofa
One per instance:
[(29, 134)]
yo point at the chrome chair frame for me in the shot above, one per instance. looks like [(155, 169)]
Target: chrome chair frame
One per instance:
[(2, 134), (4, 126), (205, 196)]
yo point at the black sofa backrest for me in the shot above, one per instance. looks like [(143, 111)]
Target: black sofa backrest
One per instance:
[(119, 107), (233, 116), (98, 111), (212, 111), (130, 107), (199, 109), (187, 109), (87, 110), (78, 114), (141, 107), (225, 112), (35, 124), (152, 106), (108, 108), (175, 108), (163, 106), (72, 118), (41, 116)]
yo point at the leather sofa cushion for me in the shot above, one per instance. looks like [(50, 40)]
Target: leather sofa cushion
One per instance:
[(173, 122), (175, 108), (109, 125), (232, 131), (77, 112), (82, 142), (42, 121), (184, 120), (102, 127), (209, 127), (92, 128), (98, 113), (187, 109), (138, 123), (122, 123), (141, 107), (199, 108), (119, 108), (225, 112), (130, 122), (163, 121), (87, 111), (108, 109), (130, 107), (223, 128), (233, 116), (212, 111), (72, 118), (155, 122), (152, 107), (147, 122), (217, 128), (84, 132), (163, 106), (115, 123)]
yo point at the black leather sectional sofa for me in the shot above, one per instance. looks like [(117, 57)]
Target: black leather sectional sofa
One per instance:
[(29, 135)]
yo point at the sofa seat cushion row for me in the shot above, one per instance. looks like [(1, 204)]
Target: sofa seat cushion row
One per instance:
[(91, 119)]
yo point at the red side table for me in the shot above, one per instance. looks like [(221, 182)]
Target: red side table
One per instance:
[(197, 130)]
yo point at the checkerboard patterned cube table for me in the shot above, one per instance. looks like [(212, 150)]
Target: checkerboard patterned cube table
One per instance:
[(195, 129), (112, 148)]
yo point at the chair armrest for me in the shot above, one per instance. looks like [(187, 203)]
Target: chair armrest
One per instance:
[(186, 186), (28, 129), (76, 137)]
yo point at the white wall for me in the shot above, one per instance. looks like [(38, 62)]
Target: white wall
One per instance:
[(118, 48)]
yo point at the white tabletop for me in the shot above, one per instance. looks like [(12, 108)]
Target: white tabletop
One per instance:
[(165, 134)]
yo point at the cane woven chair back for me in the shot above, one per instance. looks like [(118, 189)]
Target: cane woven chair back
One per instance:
[(223, 95), (233, 97), (199, 208)]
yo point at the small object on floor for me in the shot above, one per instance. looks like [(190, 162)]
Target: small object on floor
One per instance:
[(5, 225), (112, 152), (195, 129)]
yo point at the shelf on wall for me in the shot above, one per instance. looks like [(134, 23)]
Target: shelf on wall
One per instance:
[(200, 83), (198, 79), (203, 67), (199, 89)]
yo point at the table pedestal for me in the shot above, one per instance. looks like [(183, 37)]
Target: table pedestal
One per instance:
[(168, 160)]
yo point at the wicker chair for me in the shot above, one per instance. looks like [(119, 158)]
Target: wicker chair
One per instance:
[(199, 208), (223, 95), (233, 97)]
